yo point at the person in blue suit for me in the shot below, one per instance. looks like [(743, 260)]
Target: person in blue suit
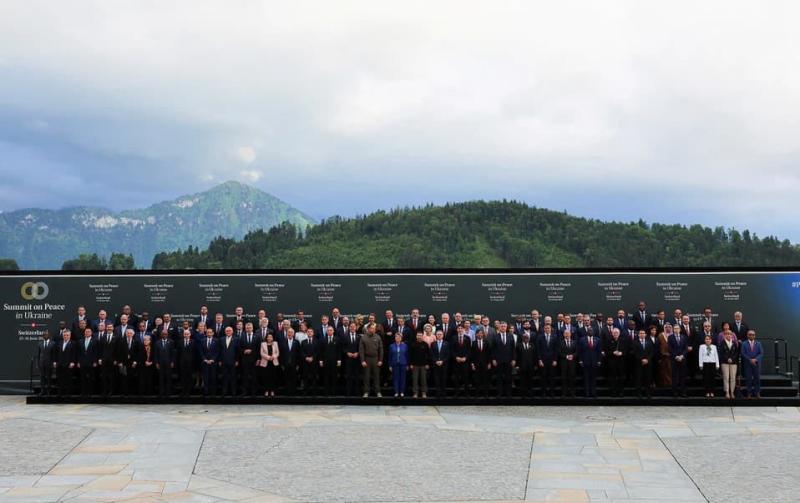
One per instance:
[(547, 346), (209, 354), (590, 358), (678, 350), (398, 362), (752, 357)]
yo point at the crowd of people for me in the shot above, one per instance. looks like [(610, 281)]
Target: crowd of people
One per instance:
[(635, 352)]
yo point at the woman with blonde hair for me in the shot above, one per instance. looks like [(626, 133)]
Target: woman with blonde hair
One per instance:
[(269, 363), (427, 334)]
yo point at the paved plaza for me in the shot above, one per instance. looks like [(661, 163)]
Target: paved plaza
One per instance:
[(381, 453)]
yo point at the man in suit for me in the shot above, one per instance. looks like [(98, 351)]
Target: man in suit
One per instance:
[(186, 362), (128, 361), (123, 326), (87, 361), (527, 361), (299, 320), (547, 348), (170, 326), (350, 341), (141, 332), (678, 351), (481, 364), (503, 359), (643, 350), (488, 330), (415, 322), (81, 316), (460, 350), (202, 318), (209, 354), (582, 329), (218, 325), (164, 353), (66, 358), (337, 321), (330, 359), (447, 327), (694, 342), (752, 358), (263, 329), (598, 324), (660, 320), (537, 325), (389, 324), (708, 316), (108, 348), (102, 319), (404, 330), (641, 317), (128, 312), (290, 358), (590, 359), (228, 361), (45, 357), (616, 350), (440, 355), (310, 349), (605, 332), (249, 354), (739, 327), (238, 317), (568, 350)]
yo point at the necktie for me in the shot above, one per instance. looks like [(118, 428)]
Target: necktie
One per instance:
[(86, 346), (504, 339), (591, 342), (330, 340), (208, 343), (642, 343)]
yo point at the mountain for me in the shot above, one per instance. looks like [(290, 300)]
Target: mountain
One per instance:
[(485, 234), (44, 239)]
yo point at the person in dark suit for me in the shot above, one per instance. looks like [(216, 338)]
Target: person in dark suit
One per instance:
[(503, 359), (45, 357), (87, 360), (228, 361), (404, 330), (203, 317), (123, 326), (330, 359), (641, 317), (527, 362), (249, 354), (290, 357), (460, 350), (310, 349), (147, 366), (350, 342), (165, 363), (739, 327), (128, 357), (81, 316), (108, 349), (590, 359), (547, 349), (186, 358), (643, 351), (440, 356), (568, 350), (238, 317), (481, 363), (752, 358), (127, 311), (209, 354), (102, 319), (708, 317), (66, 359), (678, 351), (616, 350)]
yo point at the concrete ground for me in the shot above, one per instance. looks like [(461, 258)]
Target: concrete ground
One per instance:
[(382, 453)]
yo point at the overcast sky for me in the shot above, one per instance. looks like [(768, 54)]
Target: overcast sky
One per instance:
[(683, 112)]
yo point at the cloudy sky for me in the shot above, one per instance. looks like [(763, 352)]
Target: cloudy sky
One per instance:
[(675, 111)]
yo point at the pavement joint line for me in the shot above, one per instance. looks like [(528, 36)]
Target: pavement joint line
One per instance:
[(682, 468)]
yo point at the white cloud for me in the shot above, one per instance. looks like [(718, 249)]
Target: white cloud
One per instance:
[(624, 102)]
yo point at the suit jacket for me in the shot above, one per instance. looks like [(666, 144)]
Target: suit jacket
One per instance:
[(209, 350), (66, 354), (749, 352), (611, 345), (75, 326), (398, 354), (291, 356), (254, 346), (219, 329), (87, 356), (197, 319), (725, 353), (108, 350), (677, 347), (741, 331), (548, 351), (330, 352), (503, 353), (590, 356), (440, 355), (310, 348), (128, 355), (406, 332), (233, 319), (537, 329), (565, 349), (228, 351), (462, 350), (480, 357), (45, 354), (186, 354), (527, 359), (119, 330), (642, 322), (646, 352), (164, 352)]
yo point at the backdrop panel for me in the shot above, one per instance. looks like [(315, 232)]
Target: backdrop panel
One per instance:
[(32, 303)]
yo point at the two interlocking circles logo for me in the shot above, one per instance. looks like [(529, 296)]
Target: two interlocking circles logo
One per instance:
[(34, 291)]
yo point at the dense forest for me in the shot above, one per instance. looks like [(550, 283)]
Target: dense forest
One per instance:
[(483, 234)]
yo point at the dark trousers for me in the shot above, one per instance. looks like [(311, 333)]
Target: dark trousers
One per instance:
[(209, 379), (87, 380), (590, 380), (616, 375), (228, 379), (399, 378), (310, 377), (372, 373), (46, 378), (290, 379), (65, 376), (567, 378), (165, 380), (270, 373), (353, 369), (460, 373), (109, 375), (752, 376), (526, 381), (644, 376), (186, 381), (249, 381), (548, 375), (439, 378), (503, 375), (130, 381), (709, 373), (480, 379), (679, 376), (329, 371), (146, 380)]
